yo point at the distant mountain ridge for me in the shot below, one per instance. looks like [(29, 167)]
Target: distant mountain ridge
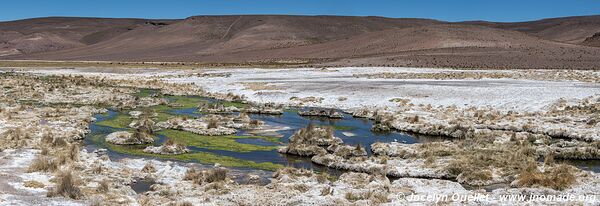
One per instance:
[(568, 42)]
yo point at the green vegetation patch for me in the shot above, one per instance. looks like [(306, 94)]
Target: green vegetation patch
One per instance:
[(144, 92), (200, 157), (185, 101), (120, 120), (340, 127), (235, 104), (227, 142)]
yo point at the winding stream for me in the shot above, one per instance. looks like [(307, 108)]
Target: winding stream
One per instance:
[(262, 144)]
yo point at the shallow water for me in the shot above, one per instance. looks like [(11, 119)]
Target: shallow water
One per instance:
[(292, 122), (289, 120), (142, 185), (591, 165)]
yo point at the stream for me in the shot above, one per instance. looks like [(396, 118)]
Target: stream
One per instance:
[(352, 131)]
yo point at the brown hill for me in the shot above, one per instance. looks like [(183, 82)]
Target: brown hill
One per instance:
[(217, 35), (320, 40), (58, 33), (573, 30), (593, 40)]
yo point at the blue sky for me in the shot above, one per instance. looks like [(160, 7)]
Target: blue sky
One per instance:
[(448, 10)]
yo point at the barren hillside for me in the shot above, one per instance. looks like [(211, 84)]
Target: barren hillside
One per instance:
[(316, 40)]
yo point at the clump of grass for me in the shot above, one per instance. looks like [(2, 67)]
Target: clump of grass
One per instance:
[(33, 184), (413, 119), (44, 151), (549, 159), (193, 175), (97, 169), (292, 172), (559, 177), (207, 176), (103, 187), (215, 175), (212, 123), (476, 157), (312, 135), (141, 135), (430, 160), (185, 203), (149, 168), (42, 164), (301, 187), (73, 153), (66, 187), (255, 123), (323, 177), (326, 191), (355, 196), (376, 197), (477, 175)]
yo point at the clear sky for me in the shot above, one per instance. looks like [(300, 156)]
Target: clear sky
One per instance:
[(448, 10)]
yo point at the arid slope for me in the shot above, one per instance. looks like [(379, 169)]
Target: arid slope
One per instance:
[(314, 40)]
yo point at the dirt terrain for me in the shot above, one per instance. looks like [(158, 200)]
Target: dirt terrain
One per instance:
[(560, 43)]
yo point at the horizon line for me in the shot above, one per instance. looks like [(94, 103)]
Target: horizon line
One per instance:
[(298, 15)]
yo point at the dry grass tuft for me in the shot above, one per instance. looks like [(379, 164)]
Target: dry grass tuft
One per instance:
[(215, 175), (149, 168), (323, 177), (65, 187), (301, 187), (549, 160), (73, 152), (326, 191), (213, 123), (43, 164), (559, 177), (103, 187), (207, 176), (33, 184), (375, 197), (186, 203)]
